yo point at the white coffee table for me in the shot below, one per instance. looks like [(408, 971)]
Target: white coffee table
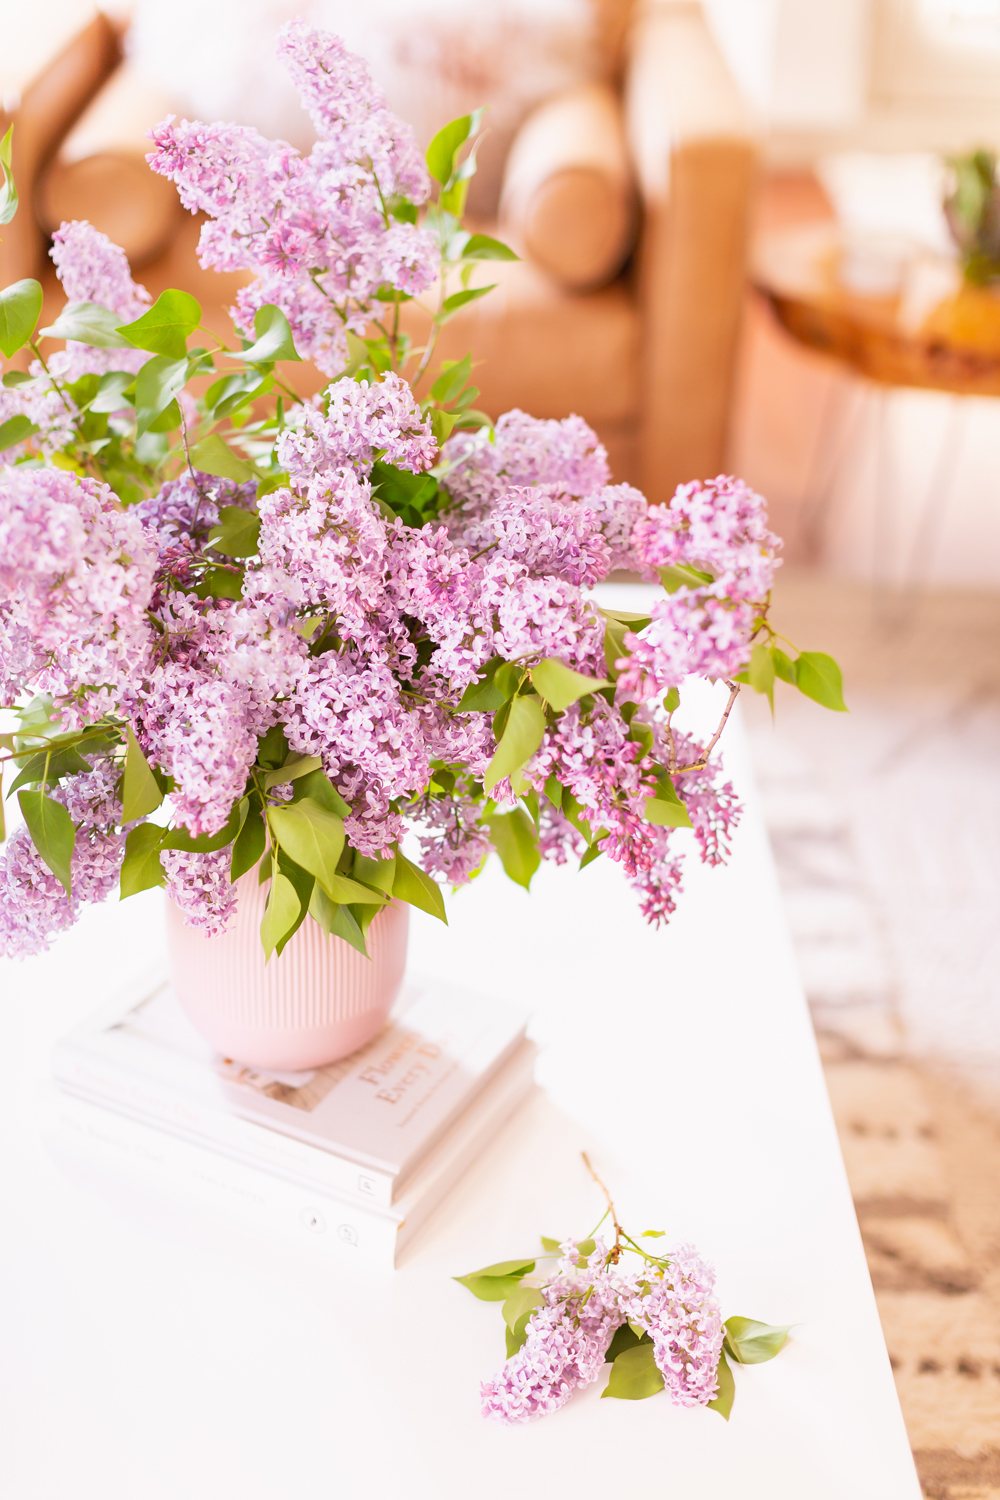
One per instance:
[(153, 1353)]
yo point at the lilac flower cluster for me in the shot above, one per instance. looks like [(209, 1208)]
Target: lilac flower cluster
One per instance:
[(356, 634), (315, 230), (585, 1303)]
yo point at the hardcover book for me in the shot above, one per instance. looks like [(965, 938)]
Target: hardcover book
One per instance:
[(360, 1127)]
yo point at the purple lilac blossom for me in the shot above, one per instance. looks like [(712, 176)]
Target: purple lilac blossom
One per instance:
[(568, 1338), (680, 1312), (313, 229), (199, 885), (34, 907), (94, 269), (362, 420)]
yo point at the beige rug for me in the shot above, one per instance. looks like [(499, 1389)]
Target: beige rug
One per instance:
[(886, 830)]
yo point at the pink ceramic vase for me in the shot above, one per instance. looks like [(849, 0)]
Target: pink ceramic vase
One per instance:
[(319, 1001)]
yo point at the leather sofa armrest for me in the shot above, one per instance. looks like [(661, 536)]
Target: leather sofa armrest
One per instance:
[(568, 196), (48, 110), (695, 149)]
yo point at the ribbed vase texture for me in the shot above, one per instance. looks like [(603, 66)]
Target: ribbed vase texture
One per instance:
[(315, 1003)]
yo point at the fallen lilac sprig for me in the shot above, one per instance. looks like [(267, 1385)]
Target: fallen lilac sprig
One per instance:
[(656, 1322)]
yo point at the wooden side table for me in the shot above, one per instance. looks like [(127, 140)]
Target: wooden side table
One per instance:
[(931, 332)]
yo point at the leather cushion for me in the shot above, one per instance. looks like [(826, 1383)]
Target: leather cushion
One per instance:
[(568, 200)]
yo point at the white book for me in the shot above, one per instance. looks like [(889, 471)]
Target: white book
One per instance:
[(360, 1126), (122, 1146)]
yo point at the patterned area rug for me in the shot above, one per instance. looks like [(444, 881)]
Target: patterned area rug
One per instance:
[(886, 832)]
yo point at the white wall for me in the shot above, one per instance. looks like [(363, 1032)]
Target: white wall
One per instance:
[(803, 63)]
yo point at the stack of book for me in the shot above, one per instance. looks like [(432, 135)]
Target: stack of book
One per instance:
[(353, 1156)]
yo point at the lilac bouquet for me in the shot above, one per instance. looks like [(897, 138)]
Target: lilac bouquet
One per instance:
[(656, 1321), (244, 631)]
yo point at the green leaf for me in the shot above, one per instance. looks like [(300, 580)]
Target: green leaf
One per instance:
[(723, 1402), (495, 1283), (818, 676), (140, 792), (234, 391), (337, 920), (20, 307), (453, 379), (753, 1343), (442, 423), (672, 701), (111, 390), (156, 385), (237, 534), (634, 1375), (250, 842), (274, 338), (451, 304), (414, 885), (652, 1234), (619, 624), (52, 833), (15, 430), (560, 686), (446, 144), (594, 852), (378, 873), (484, 247), (8, 192), (523, 1300), (313, 838), (141, 868), (484, 695), (165, 327), (761, 671), (214, 456), (317, 785), (665, 809), (281, 915), (272, 748), (514, 839), (204, 843), (625, 1338), (294, 766), (522, 735), (784, 667), (88, 323), (680, 576), (551, 1245), (49, 766)]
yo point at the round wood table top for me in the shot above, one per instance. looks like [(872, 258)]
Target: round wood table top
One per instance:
[(916, 323)]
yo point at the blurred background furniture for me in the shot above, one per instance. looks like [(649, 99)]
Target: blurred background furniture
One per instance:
[(628, 196)]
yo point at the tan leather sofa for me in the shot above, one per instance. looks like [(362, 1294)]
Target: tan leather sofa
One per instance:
[(630, 207)]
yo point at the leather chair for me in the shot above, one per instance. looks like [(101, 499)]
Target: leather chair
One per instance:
[(641, 344)]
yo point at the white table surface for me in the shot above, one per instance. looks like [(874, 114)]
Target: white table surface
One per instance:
[(158, 1353)]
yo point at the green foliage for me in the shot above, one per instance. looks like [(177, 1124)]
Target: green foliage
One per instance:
[(751, 1343), (8, 189), (156, 385), (723, 1402), (15, 430), (681, 576), (484, 694), (281, 915), (214, 456), (973, 212), (292, 768), (20, 308), (250, 842), (513, 837), (204, 843), (313, 838), (141, 793), (412, 884), (484, 247), (625, 1338), (141, 868), (52, 833), (560, 685), (165, 328), (665, 808), (444, 148), (88, 323), (495, 1283), (521, 737), (761, 671), (619, 624), (416, 498), (451, 305), (634, 1375), (237, 533), (273, 341), (818, 676)]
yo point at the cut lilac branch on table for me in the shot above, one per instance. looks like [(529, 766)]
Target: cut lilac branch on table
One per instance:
[(654, 1318), (297, 634)]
